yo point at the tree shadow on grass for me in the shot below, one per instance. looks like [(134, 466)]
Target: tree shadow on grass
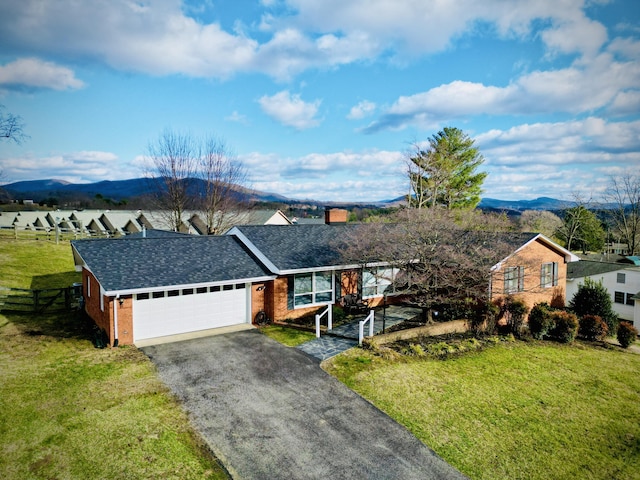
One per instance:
[(55, 280), (74, 324)]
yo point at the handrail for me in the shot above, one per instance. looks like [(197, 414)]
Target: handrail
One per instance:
[(370, 318), (319, 316)]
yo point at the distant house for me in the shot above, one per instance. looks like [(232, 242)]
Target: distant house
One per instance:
[(107, 223), (621, 279), (141, 288)]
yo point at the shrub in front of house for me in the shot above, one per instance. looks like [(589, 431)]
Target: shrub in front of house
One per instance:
[(592, 298), (483, 317), (593, 328), (517, 310), (627, 334), (540, 321), (565, 327)]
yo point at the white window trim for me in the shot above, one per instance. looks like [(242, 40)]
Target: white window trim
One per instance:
[(388, 283), (313, 291), (553, 273), (519, 278)]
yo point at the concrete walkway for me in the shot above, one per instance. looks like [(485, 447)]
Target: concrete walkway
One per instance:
[(270, 412), (345, 336)]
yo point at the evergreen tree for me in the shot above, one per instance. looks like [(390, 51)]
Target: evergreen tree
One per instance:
[(592, 298), (445, 173)]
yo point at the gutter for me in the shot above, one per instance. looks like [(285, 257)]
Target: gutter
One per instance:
[(116, 305)]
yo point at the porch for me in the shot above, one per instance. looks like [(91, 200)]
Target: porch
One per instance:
[(345, 336)]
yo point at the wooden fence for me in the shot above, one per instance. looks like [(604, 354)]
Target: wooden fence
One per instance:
[(39, 233), (50, 299)]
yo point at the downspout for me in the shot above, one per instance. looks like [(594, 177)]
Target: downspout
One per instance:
[(116, 304)]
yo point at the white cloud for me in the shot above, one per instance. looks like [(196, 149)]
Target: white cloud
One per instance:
[(361, 110), (578, 35), (291, 110), (159, 38), (330, 176), (33, 73), (580, 88), (237, 117), (77, 167)]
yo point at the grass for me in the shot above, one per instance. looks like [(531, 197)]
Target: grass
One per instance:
[(68, 410), (291, 337), (515, 410), (36, 264)]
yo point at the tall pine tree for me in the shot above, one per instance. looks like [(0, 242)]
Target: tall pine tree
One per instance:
[(445, 173)]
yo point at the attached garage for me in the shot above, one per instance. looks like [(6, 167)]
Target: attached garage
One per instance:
[(138, 289), (171, 312)]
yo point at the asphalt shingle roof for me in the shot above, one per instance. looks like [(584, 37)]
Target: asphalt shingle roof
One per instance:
[(586, 268), (312, 246), (143, 263), (295, 247)]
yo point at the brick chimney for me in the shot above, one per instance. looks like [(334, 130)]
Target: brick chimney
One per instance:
[(335, 216)]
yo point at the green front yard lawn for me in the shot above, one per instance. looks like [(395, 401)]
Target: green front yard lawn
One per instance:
[(516, 410), (69, 410), (533, 410)]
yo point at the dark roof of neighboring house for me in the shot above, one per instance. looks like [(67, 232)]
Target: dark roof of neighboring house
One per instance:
[(586, 268), (147, 263), (602, 257), (296, 247)]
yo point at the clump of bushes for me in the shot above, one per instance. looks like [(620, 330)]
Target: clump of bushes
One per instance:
[(593, 328), (565, 326), (546, 321), (517, 310), (626, 334), (483, 318), (540, 321)]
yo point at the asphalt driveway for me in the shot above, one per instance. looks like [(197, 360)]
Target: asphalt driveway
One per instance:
[(270, 412)]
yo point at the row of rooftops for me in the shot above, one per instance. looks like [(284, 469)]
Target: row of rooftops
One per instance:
[(126, 222)]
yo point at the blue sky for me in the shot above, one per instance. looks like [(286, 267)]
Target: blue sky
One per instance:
[(323, 99)]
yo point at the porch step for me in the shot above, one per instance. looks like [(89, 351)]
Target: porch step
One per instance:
[(327, 346), (345, 336)]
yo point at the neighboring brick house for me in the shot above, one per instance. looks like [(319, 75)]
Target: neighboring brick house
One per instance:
[(536, 271), (138, 288), (622, 280)]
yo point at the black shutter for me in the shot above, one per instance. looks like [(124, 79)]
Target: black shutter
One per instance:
[(290, 290)]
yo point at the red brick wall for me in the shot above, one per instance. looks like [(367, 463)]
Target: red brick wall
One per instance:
[(125, 319), (532, 257), (91, 293), (258, 292), (103, 318), (335, 215)]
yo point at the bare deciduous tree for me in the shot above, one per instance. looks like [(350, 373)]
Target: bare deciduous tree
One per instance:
[(11, 126), (190, 173), (540, 221), (442, 256), (172, 164), (224, 178), (624, 193)]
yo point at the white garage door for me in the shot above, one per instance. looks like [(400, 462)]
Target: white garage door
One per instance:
[(180, 311)]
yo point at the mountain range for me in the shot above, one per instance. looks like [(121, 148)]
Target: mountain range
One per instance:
[(38, 190)]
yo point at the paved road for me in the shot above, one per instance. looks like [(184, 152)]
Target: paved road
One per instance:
[(270, 412)]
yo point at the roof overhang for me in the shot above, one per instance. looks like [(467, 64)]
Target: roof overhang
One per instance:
[(131, 291), (568, 256)]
